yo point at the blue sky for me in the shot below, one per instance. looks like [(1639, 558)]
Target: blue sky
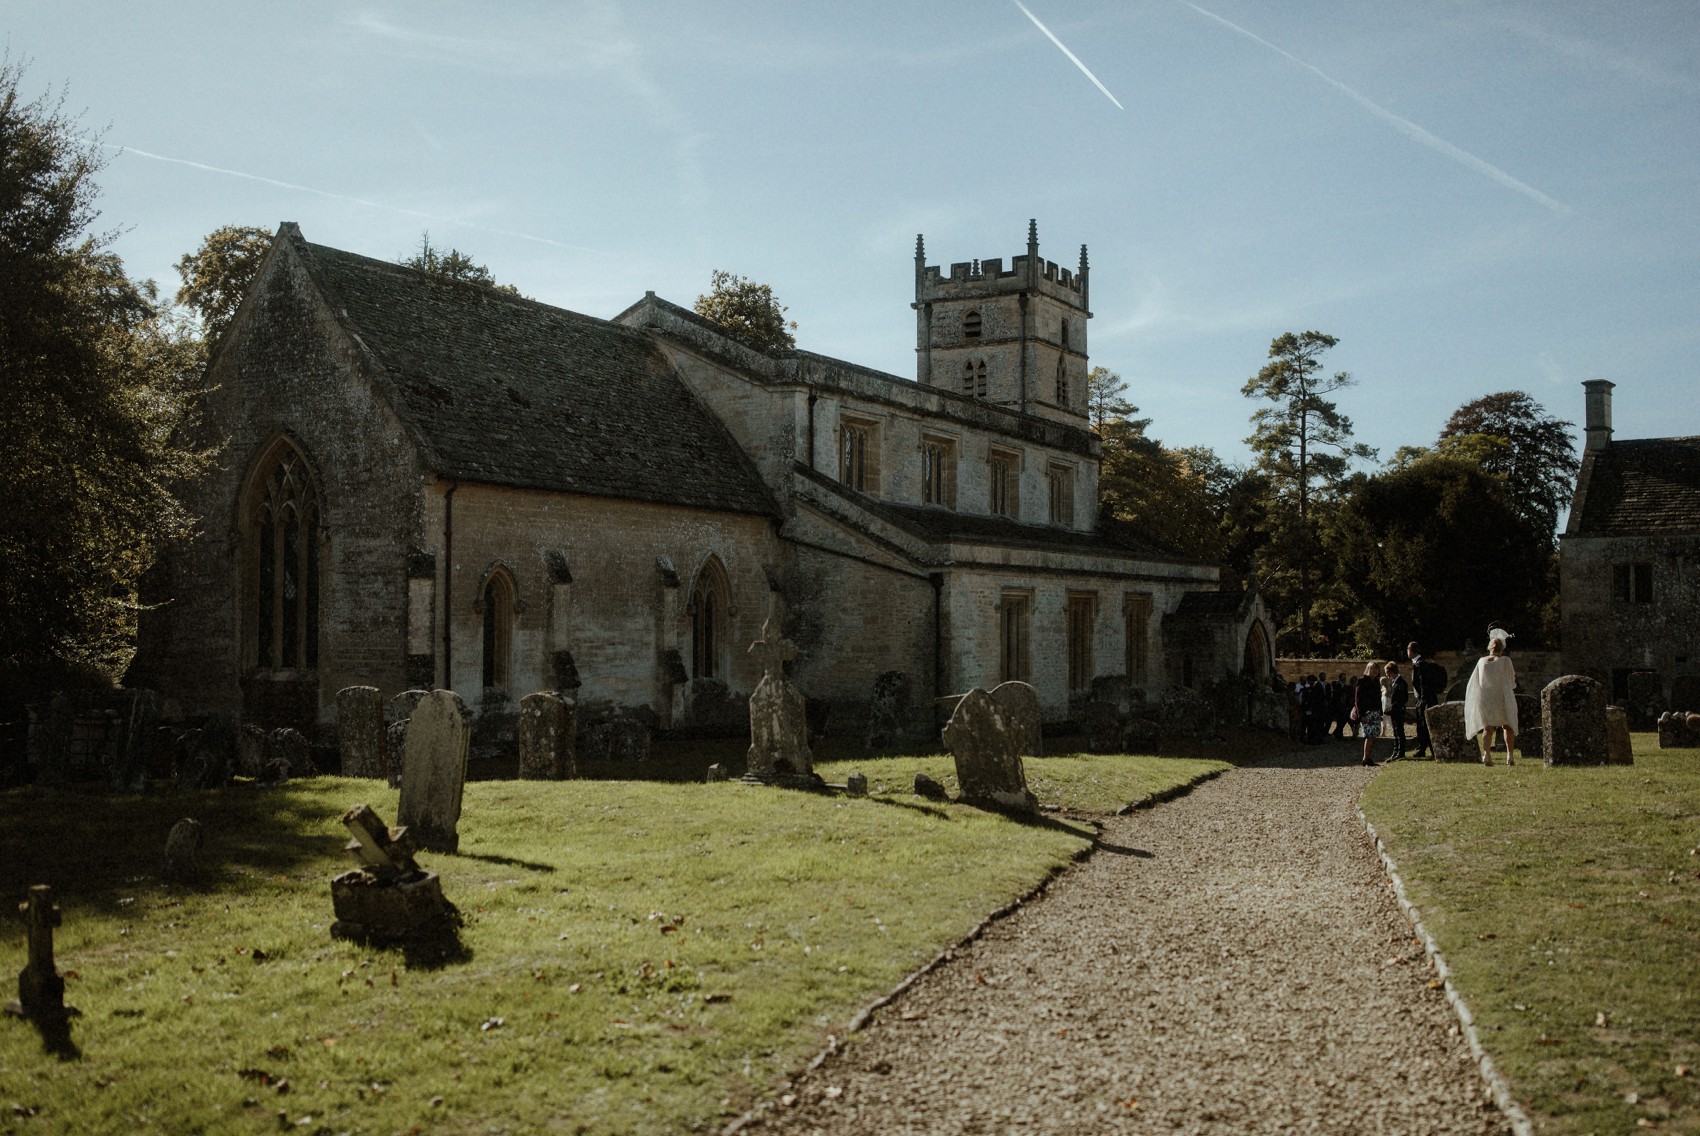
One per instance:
[(1473, 197)]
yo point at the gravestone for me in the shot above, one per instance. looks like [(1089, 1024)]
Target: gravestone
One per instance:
[(546, 733), (1646, 700), (253, 751), (1678, 730), (1685, 694), (1186, 714), (717, 772), (389, 898), (889, 711), (438, 736), (929, 788), (1528, 712), (1142, 735), (1102, 725), (1119, 692), (1019, 705), (712, 710), (1619, 749), (182, 845), (987, 749), (291, 755), (1446, 734), (1573, 721), (628, 738), (400, 713), (856, 784), (1531, 742), (779, 729), (360, 731), (41, 991)]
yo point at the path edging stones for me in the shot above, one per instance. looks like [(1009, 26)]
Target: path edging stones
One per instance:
[(1496, 1082)]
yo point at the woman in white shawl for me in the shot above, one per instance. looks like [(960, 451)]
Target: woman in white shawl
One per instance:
[(1490, 700)]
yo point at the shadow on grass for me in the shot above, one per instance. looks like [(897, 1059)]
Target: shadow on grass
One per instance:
[(55, 1034), (507, 861)]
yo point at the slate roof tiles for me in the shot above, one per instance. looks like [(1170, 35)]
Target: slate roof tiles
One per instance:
[(1642, 487)]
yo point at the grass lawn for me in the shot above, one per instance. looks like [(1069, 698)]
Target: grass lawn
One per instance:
[(1568, 903), (638, 956)]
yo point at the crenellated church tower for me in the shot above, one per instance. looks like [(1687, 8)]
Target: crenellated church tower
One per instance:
[(1015, 337)]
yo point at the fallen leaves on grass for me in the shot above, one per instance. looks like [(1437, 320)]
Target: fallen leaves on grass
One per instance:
[(490, 1024)]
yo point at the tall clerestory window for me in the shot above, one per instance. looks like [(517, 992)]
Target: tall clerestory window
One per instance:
[(281, 552)]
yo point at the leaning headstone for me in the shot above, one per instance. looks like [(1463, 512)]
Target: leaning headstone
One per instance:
[(1019, 704), (360, 731), (182, 845), (779, 729), (437, 739), (1685, 694), (546, 733), (987, 749), (929, 788), (1103, 727), (1619, 749), (389, 898), (889, 711), (1573, 721), (41, 991), (1446, 734)]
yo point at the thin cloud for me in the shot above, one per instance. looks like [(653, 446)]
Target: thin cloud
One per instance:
[(1404, 125), (405, 212), (1073, 58)]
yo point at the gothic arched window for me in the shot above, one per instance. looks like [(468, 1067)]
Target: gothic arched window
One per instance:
[(971, 324), (281, 562), (710, 607), (496, 604)]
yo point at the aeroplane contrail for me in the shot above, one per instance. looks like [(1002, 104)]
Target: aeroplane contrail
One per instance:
[(1073, 58), (1404, 125), (343, 197)]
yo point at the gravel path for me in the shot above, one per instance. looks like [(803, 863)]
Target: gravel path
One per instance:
[(1232, 962)]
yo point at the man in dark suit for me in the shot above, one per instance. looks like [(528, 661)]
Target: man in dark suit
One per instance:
[(1428, 683), (1398, 697)]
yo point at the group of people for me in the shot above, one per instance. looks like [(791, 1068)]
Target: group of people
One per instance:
[(1377, 704)]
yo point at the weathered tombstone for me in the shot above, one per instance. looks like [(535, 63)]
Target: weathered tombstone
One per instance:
[(929, 788), (1103, 727), (253, 751), (1019, 705), (41, 991), (437, 739), (546, 733), (779, 729), (1685, 694), (360, 731), (889, 711), (182, 844), (987, 749), (712, 710), (1678, 731), (207, 757), (1142, 735), (388, 898), (717, 772), (291, 751), (1619, 749), (1186, 714), (628, 739), (396, 751), (1446, 734), (856, 784), (1118, 691), (1646, 699), (1573, 721)]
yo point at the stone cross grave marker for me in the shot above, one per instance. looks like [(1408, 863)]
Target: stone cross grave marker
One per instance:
[(41, 991), (360, 731), (438, 735), (987, 749), (779, 728), (389, 897)]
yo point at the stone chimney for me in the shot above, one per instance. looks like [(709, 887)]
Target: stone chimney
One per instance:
[(1598, 410)]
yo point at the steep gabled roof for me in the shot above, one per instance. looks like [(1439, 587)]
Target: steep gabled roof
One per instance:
[(1645, 486), (508, 391)]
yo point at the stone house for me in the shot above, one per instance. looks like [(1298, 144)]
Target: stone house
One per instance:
[(1629, 562), (429, 483)]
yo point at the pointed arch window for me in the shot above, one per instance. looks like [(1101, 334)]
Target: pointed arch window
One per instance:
[(971, 324), (710, 609), (496, 604), (281, 562)]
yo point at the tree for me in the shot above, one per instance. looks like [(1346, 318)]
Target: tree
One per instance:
[(100, 378), (748, 312), (452, 265), (1148, 490), (1104, 401), (1303, 444), (216, 275), (1513, 437)]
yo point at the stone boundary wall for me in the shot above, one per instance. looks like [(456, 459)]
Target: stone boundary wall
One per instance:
[(1534, 668)]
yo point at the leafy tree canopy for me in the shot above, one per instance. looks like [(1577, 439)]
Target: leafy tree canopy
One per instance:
[(100, 378), (1511, 436), (452, 265), (748, 311), (216, 275)]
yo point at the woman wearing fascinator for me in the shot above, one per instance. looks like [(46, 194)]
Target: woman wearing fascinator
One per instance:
[(1490, 699)]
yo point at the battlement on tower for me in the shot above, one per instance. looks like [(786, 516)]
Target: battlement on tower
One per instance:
[(973, 279)]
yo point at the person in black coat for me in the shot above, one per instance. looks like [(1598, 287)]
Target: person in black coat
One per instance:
[(1398, 697), (1366, 707), (1428, 682)]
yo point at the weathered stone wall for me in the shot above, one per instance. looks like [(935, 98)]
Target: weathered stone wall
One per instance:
[(1602, 635), (286, 368)]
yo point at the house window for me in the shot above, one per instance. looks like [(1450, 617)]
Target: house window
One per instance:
[(1082, 613), (938, 472), (1002, 479), (1060, 481), (858, 456), (1136, 624), (1015, 616), (1632, 583), (283, 557), (971, 324), (709, 608), (496, 604)]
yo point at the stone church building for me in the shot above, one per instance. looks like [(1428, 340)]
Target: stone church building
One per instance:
[(1629, 563), (434, 484)]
